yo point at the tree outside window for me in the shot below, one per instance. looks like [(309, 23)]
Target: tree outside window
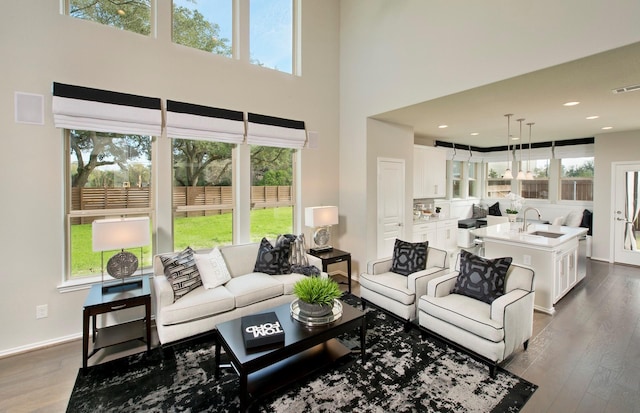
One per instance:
[(131, 15), (202, 194), (205, 25), (109, 176), (497, 187), (576, 179), (538, 187), (272, 197)]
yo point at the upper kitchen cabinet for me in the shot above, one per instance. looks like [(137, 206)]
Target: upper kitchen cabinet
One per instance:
[(429, 172)]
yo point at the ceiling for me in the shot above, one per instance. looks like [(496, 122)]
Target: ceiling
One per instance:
[(537, 97)]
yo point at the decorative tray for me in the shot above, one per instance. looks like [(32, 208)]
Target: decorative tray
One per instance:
[(317, 321)]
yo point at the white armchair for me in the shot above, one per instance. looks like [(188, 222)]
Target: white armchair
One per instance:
[(491, 332), (398, 293)]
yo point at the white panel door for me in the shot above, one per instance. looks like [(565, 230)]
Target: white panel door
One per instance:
[(626, 208), (391, 205)]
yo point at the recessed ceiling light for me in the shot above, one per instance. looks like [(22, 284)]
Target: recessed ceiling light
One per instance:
[(592, 117), (474, 134), (571, 103), (443, 126), (607, 127)]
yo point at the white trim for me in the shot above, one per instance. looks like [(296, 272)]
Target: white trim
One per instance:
[(40, 345)]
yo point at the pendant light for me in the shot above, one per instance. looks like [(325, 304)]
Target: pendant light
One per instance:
[(507, 173), (521, 174), (529, 174)]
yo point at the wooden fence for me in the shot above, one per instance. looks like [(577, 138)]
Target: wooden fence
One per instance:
[(575, 189), (187, 201), (578, 189)]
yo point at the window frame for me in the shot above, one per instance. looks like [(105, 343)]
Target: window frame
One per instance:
[(561, 179), (70, 282)]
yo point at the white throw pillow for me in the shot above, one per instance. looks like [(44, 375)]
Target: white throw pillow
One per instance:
[(574, 218), (213, 270)]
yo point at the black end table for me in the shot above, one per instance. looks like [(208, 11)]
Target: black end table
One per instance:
[(102, 300), (334, 256)]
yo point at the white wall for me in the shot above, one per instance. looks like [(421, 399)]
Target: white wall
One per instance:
[(387, 140), (610, 147), (394, 54), (38, 46)]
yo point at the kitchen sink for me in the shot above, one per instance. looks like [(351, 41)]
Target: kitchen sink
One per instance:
[(546, 234)]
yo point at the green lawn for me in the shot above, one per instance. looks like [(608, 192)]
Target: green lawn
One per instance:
[(196, 232)]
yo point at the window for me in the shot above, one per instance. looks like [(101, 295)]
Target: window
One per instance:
[(538, 188), (272, 197), (576, 179), (497, 187), (131, 15), (202, 194), (456, 168), (472, 178), (271, 34), (205, 25), (109, 176)]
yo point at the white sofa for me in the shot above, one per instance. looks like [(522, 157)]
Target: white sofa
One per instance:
[(490, 331), (398, 293), (200, 310)]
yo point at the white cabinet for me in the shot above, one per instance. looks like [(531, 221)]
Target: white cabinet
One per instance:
[(429, 172), (447, 236), (425, 231), (556, 268), (441, 233), (566, 271)]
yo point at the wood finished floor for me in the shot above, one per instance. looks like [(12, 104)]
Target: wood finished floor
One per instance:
[(585, 358)]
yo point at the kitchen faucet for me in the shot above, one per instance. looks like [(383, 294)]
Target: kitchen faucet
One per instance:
[(524, 218)]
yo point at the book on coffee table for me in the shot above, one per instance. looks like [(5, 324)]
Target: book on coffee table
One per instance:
[(261, 329)]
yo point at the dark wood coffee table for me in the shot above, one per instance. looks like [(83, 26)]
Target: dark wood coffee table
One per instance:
[(305, 350)]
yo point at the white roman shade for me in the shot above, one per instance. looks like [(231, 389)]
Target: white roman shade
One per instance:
[(77, 107), (271, 131), (190, 121), (572, 151)]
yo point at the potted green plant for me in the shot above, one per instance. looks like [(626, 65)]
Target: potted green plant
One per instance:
[(316, 295)]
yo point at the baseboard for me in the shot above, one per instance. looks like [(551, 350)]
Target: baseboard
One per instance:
[(49, 343), (354, 277), (40, 345)]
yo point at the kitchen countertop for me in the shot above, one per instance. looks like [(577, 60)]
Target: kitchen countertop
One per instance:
[(509, 232), (433, 219)]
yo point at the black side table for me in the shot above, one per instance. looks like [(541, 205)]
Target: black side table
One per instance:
[(114, 297), (332, 257)]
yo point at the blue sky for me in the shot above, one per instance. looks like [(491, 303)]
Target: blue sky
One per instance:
[(270, 27)]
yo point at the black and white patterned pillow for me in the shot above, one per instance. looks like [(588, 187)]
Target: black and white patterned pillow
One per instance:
[(181, 272), (273, 260), (481, 278), (409, 257)]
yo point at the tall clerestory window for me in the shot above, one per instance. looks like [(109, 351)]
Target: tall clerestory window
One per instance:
[(131, 15), (271, 33), (205, 25)]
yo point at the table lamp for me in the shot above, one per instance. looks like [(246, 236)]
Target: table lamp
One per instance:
[(321, 218), (120, 233)]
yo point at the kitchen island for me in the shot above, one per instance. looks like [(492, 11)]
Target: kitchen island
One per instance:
[(551, 250)]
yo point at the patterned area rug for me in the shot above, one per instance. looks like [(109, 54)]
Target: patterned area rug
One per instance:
[(403, 373)]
